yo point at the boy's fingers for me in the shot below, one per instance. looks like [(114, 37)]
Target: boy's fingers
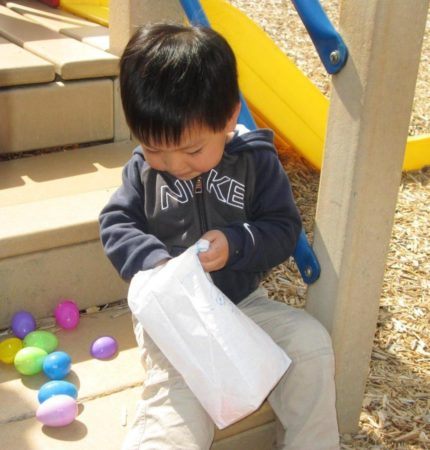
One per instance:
[(210, 236), (210, 266), (207, 256)]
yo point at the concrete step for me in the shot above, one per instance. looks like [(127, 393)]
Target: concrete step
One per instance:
[(63, 22), (57, 192), (49, 240), (18, 66), (108, 395), (55, 114), (72, 59)]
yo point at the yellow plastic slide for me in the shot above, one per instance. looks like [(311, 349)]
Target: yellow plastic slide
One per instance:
[(94, 10), (279, 95)]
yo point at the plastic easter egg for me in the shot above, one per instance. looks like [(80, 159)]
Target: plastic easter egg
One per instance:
[(9, 348), (29, 360), (104, 347), (42, 339), (57, 411), (67, 314), (57, 387), (57, 365), (22, 323)]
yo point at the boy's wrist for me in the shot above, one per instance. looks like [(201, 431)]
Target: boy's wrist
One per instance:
[(235, 243)]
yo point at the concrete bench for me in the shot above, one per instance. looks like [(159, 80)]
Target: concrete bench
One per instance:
[(108, 396), (54, 114), (49, 239)]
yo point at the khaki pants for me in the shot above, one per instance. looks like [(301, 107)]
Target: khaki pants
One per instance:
[(169, 417)]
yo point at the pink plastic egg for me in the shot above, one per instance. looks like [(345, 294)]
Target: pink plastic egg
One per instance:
[(57, 411), (104, 347), (67, 314)]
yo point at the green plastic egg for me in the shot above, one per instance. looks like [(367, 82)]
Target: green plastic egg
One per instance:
[(9, 348), (42, 339), (29, 360)]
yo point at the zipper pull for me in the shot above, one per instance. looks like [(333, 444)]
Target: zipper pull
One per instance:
[(198, 188)]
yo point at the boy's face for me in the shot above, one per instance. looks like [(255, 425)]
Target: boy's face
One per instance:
[(199, 151)]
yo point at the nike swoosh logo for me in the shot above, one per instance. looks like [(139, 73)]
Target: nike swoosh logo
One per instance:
[(248, 229)]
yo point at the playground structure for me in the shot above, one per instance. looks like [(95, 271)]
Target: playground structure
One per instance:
[(49, 203), (276, 104)]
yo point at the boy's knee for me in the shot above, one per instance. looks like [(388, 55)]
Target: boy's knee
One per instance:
[(315, 331), (308, 339)]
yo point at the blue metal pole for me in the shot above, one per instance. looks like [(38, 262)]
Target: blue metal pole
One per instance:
[(304, 255), (328, 42)]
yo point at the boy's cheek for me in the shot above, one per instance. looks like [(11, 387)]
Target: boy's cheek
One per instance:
[(154, 163), (153, 160)]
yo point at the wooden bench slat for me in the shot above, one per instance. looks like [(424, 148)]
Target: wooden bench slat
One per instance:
[(18, 66), (72, 59), (63, 22)]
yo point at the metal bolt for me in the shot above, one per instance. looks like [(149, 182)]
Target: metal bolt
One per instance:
[(308, 271), (335, 57)]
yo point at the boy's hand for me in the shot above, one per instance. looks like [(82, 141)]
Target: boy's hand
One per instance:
[(215, 258)]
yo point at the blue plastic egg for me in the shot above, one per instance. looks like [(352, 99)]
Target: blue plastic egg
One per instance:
[(57, 387), (57, 365)]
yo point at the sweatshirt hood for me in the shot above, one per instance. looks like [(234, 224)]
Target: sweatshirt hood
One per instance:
[(243, 138)]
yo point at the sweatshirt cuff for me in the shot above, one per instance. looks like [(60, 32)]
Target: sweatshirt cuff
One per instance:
[(154, 258)]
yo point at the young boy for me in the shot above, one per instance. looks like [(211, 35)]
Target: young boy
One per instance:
[(198, 175)]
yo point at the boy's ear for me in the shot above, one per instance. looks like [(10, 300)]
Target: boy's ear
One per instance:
[(231, 124)]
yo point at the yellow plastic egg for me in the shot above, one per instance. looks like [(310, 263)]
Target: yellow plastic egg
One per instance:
[(9, 348)]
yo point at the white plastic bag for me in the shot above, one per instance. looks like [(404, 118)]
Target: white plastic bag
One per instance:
[(228, 362)]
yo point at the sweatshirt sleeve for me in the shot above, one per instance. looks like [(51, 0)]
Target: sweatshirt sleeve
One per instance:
[(271, 233), (122, 227)]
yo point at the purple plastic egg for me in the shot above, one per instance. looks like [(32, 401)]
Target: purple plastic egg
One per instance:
[(104, 347), (67, 314), (57, 411), (22, 323)]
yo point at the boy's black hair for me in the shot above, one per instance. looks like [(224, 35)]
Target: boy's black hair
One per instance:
[(173, 77)]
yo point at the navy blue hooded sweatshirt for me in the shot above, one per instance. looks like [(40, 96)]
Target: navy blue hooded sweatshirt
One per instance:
[(247, 196)]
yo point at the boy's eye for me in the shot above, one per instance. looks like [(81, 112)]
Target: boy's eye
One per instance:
[(195, 152)]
